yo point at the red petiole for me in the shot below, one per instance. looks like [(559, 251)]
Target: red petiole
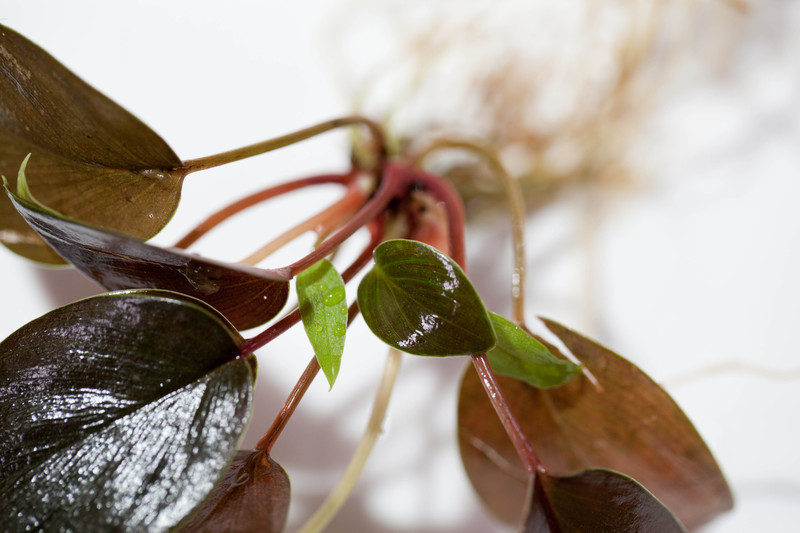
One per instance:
[(396, 181), (311, 371), (444, 192), (393, 184), (256, 198), (299, 390), (265, 337)]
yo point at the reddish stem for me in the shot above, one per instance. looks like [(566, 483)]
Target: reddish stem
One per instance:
[(445, 192), (299, 390), (505, 414), (223, 214), (265, 337), (375, 236), (332, 216), (289, 406), (394, 181), (312, 369), (268, 335)]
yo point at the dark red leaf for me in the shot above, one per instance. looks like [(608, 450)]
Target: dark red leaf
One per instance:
[(597, 501), (252, 497), (630, 425), (247, 296)]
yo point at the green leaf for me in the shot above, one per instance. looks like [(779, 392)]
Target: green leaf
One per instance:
[(418, 300), (596, 500), (118, 412), (519, 355), (22, 184), (625, 423), (252, 497), (247, 296), (92, 160), (321, 298)]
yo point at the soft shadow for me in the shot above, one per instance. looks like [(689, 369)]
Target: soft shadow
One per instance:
[(314, 443), (66, 285)]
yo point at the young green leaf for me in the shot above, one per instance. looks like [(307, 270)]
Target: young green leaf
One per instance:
[(519, 355), (628, 424), (92, 160), (418, 300), (323, 307), (119, 412), (596, 500), (23, 191), (252, 497), (247, 296)]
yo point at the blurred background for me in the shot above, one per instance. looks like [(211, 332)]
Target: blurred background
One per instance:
[(658, 146)]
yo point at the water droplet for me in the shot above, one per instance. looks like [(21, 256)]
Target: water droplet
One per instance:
[(339, 330), (318, 327), (335, 296), (205, 279)]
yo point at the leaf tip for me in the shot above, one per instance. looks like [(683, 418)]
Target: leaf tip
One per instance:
[(23, 191), (331, 376)]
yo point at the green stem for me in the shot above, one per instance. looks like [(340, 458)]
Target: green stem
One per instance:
[(352, 473), (203, 163)]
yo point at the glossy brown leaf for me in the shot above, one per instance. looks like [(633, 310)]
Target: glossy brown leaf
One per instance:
[(247, 296), (91, 159), (596, 500), (631, 425), (252, 497), (119, 412)]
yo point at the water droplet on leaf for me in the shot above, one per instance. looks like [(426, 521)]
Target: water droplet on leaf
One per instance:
[(335, 296), (203, 278)]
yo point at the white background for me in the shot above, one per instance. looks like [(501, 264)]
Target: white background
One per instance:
[(694, 272)]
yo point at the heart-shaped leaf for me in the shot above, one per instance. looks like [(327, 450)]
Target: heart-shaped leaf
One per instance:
[(252, 497), (628, 424), (596, 500), (247, 296), (418, 300), (323, 307), (519, 355), (118, 412), (92, 160)]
